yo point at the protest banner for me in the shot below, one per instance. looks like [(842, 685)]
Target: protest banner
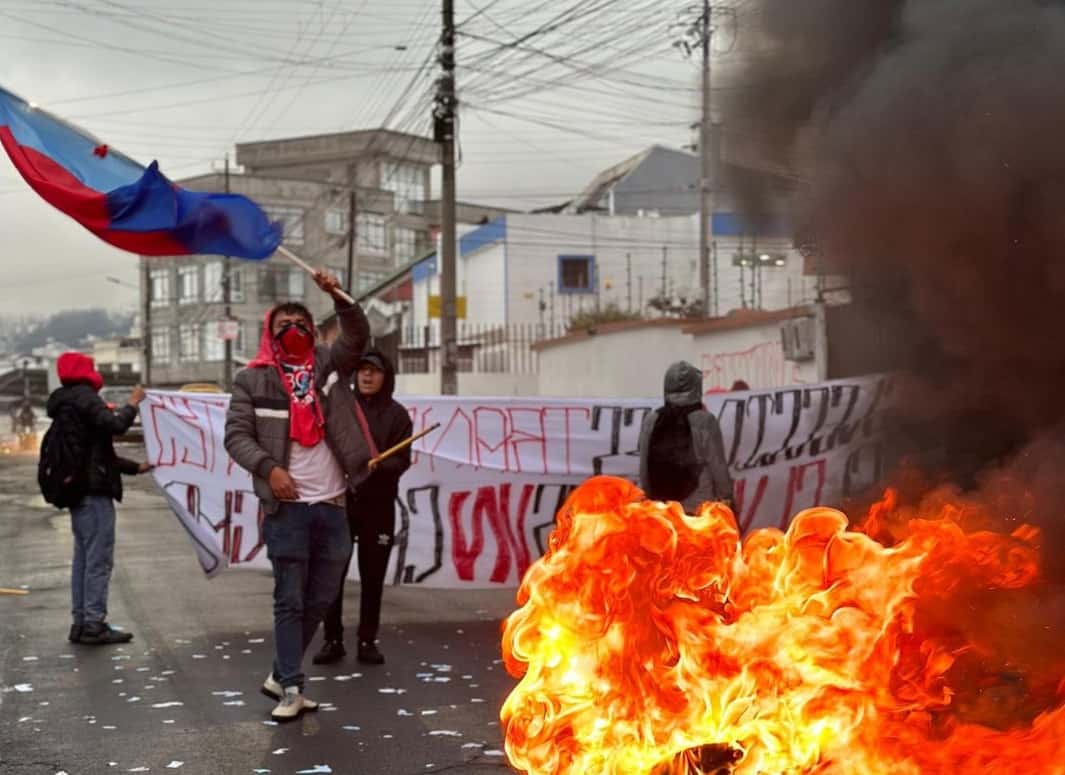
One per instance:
[(478, 503)]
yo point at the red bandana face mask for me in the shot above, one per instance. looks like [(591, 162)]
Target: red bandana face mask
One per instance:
[(295, 342)]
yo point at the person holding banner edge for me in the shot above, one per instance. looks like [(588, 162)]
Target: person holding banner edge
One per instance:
[(371, 508), (291, 426)]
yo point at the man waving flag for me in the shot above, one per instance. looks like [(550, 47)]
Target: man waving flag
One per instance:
[(130, 206)]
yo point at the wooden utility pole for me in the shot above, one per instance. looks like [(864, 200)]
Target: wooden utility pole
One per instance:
[(444, 132), (706, 165)]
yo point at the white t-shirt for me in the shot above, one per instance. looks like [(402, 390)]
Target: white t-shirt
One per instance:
[(316, 472)]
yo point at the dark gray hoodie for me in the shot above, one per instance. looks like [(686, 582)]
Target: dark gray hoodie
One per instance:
[(683, 388)]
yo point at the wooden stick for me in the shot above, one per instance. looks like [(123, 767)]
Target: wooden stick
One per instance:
[(310, 270), (4, 591), (403, 444)]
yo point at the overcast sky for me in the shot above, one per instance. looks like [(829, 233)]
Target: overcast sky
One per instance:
[(551, 93)]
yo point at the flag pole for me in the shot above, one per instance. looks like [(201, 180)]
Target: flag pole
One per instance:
[(310, 270), (404, 444)]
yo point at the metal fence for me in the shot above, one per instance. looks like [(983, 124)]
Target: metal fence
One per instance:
[(483, 348)]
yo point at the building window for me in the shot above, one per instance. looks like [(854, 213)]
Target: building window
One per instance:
[(291, 219), (244, 338), (336, 221), (160, 346), (159, 287), (576, 274), (214, 347), (213, 285), (188, 342), (407, 184), (296, 284), (406, 246), (368, 280), (188, 285), (370, 231)]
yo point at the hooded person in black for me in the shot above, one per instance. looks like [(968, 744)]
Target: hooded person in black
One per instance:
[(372, 507)]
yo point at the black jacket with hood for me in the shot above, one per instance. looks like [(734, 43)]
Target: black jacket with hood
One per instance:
[(390, 424), (103, 466)]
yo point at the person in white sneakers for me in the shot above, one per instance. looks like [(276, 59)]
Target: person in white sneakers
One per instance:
[(291, 426)]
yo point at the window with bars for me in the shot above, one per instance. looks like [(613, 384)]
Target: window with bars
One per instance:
[(159, 287), (188, 284), (291, 221), (405, 247), (407, 182), (213, 287), (161, 346), (188, 342), (336, 221), (370, 233), (576, 274)]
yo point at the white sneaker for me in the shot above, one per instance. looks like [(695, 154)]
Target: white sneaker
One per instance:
[(292, 705), (271, 688)]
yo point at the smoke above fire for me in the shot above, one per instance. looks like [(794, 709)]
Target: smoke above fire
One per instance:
[(929, 136)]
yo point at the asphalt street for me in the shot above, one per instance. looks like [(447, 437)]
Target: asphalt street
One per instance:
[(184, 696)]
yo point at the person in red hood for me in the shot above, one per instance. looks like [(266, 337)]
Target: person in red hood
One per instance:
[(290, 425), (78, 412)]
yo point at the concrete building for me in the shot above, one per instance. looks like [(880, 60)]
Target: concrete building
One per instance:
[(316, 186), (551, 269)]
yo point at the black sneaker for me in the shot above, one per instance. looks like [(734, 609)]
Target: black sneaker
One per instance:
[(369, 654), (100, 634), (332, 651), (75, 633)]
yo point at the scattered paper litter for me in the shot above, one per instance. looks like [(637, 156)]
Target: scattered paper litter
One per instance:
[(493, 752), (140, 769), (175, 765), (234, 703), (280, 751), (318, 768), (174, 704), (227, 693), (473, 745), (271, 723), (256, 640), (29, 659), (23, 688), (350, 728), (429, 712), (168, 721), (404, 712), (445, 733)]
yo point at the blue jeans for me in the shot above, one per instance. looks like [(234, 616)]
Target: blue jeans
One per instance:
[(93, 522), (309, 546)]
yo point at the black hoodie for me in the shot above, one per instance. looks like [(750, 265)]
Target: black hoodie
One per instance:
[(390, 424), (102, 464)]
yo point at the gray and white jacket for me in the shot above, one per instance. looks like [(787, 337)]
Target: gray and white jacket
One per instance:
[(257, 424)]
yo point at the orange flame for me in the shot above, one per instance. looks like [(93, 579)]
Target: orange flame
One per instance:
[(646, 636)]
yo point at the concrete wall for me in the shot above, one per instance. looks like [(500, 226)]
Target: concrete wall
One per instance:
[(469, 384), (632, 362)]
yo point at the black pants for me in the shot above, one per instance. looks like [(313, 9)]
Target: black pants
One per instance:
[(373, 528)]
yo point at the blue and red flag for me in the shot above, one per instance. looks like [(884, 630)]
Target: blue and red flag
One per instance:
[(132, 207)]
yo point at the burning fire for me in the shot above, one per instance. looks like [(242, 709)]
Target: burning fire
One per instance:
[(650, 642)]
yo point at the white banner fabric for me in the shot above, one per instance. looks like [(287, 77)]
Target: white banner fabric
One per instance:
[(478, 503)]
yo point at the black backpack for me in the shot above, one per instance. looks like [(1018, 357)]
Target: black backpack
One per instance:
[(62, 471)]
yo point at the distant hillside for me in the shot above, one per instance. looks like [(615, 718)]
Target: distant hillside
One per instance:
[(72, 327)]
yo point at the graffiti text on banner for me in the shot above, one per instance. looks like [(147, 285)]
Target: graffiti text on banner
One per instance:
[(479, 501)]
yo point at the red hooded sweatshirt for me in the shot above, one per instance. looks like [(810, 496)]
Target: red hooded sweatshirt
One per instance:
[(74, 368)]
